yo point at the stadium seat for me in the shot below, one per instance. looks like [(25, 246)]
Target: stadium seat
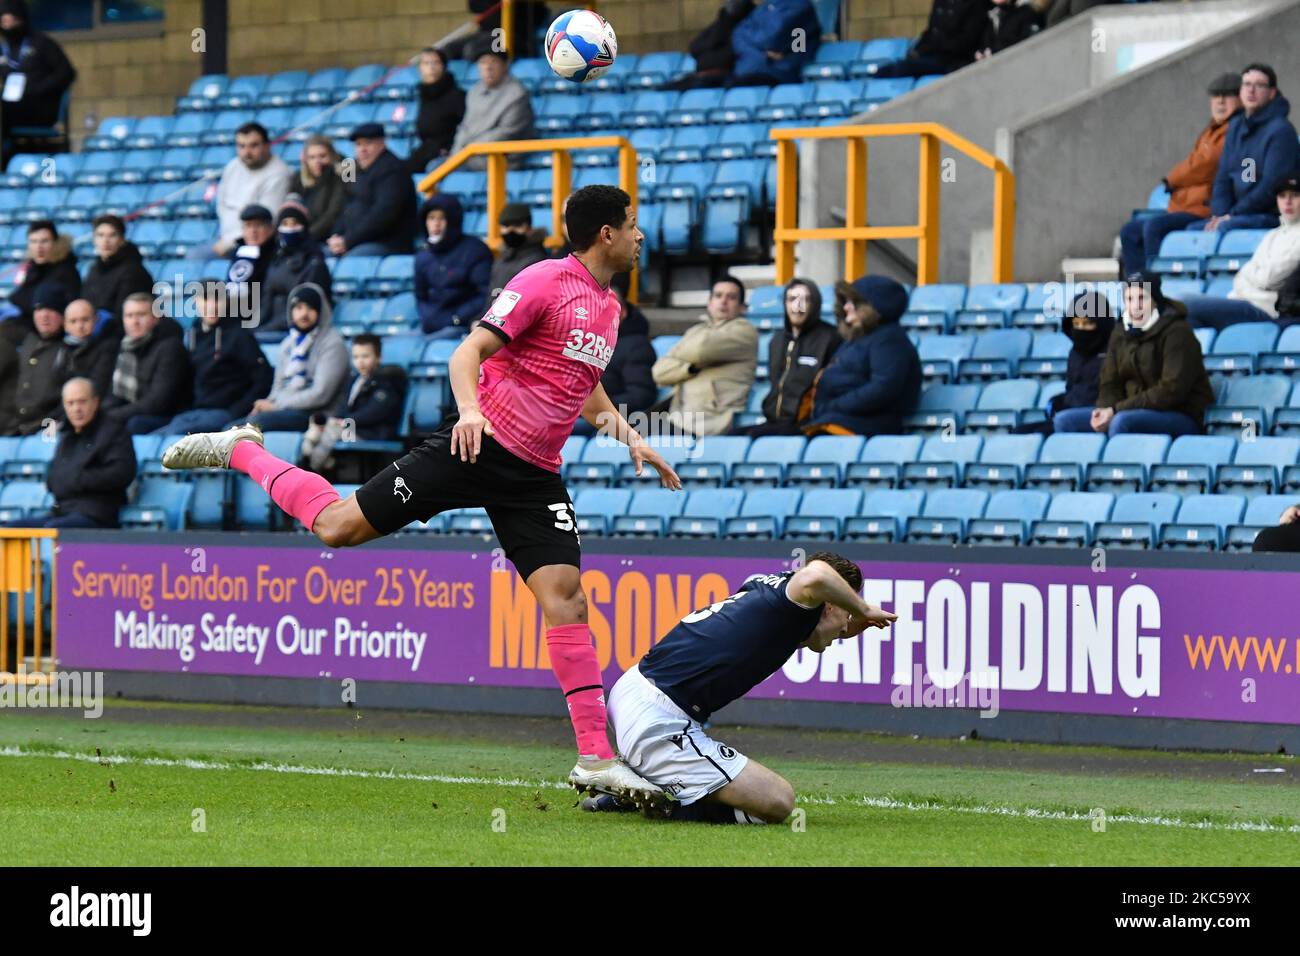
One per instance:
[(1062, 460), (1202, 522), (941, 354), (1184, 251), (1070, 520), (1001, 405), (941, 462), (1249, 404), (994, 355), (1263, 511), (1257, 466), (1190, 463), (30, 498), (821, 513), (161, 503), (767, 459), (710, 462), (1008, 517), (599, 464), (596, 507), (1136, 520), (825, 459), (705, 513), (1248, 338), (1125, 463), (1234, 250), (883, 515), (942, 407), (945, 515), (1002, 461), (880, 463)]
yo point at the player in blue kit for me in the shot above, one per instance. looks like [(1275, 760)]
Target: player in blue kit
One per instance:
[(714, 656)]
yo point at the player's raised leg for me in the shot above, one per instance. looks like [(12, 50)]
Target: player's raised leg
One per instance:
[(558, 589), (300, 493)]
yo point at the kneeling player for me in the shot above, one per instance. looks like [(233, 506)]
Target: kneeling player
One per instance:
[(713, 657)]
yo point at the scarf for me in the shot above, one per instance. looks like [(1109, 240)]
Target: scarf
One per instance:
[(300, 344), (357, 386), (126, 381)]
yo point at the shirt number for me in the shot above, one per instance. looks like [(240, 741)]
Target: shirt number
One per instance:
[(563, 515), (696, 616)]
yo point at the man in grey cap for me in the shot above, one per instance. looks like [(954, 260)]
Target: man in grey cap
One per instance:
[(378, 216), (496, 107), (1190, 183), (523, 246)]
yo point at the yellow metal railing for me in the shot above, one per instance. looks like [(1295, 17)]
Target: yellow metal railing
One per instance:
[(21, 574), (561, 178), (855, 232)]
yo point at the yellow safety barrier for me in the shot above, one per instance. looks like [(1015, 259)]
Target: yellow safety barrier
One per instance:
[(855, 231), (21, 574), (561, 178)]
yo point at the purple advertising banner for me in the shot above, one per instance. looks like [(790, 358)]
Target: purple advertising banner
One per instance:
[(1150, 642)]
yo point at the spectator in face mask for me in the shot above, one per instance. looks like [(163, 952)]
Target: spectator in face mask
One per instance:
[(523, 246), (298, 258), (452, 272), (1089, 325)]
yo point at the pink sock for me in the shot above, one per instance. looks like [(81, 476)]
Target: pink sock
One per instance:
[(302, 494), (573, 658)]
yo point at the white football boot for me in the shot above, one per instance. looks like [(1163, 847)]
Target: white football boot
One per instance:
[(617, 779), (209, 449)]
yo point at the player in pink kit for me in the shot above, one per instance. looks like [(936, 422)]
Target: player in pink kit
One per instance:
[(520, 378)]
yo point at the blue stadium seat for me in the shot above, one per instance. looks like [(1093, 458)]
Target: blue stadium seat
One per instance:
[(705, 513), (599, 464), (879, 465), (767, 459), (323, 86), (938, 300), (1190, 462), (1183, 251), (30, 499), (1071, 518), (884, 514), (824, 460), (1137, 519), (1062, 459), (1202, 522), (161, 504), (1008, 517), (942, 406), (738, 105), (876, 53), (821, 513), (1125, 463), (995, 354), (712, 459), (945, 515), (1000, 405), (1248, 337), (941, 354), (783, 103), (763, 513), (1257, 466), (1250, 399), (655, 69), (941, 462), (1002, 461), (1264, 511), (596, 508), (1234, 251)]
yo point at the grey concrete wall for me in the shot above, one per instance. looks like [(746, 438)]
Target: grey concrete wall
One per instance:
[(990, 102)]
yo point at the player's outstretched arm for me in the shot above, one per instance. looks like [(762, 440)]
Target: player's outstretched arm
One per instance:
[(463, 370), (600, 413), (819, 583)]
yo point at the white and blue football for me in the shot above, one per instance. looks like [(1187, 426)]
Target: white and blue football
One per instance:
[(580, 45)]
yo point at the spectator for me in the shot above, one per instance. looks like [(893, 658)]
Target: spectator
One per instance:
[(370, 409), (1260, 150), (1288, 300), (949, 41), (8, 383), (90, 354), (49, 260), (1089, 325), (711, 49), (1058, 11), (298, 258), (1153, 379), (1010, 22), (628, 380), (442, 107), (230, 370), (93, 465), (1189, 183), (874, 378), (1257, 284), (496, 107), (452, 271), (250, 261), (1284, 537), (523, 246), (795, 355), (41, 360), (311, 370), (712, 368), (379, 216), (152, 380), (254, 177), (317, 184), (34, 71), (118, 270), (775, 42)]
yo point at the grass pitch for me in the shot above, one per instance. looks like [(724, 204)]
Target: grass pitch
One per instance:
[(170, 785)]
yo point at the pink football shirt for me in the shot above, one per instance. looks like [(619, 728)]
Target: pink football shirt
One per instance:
[(560, 327)]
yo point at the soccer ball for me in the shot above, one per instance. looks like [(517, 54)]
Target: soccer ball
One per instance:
[(580, 45)]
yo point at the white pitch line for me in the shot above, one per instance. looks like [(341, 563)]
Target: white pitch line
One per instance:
[(876, 803)]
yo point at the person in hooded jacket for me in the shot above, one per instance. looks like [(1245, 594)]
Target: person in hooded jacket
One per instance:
[(1089, 324), (1153, 379), (45, 70), (118, 269), (1259, 151), (442, 107), (298, 259), (874, 378), (311, 371), (89, 354), (50, 260), (524, 246), (230, 370), (795, 355), (628, 379), (452, 271)]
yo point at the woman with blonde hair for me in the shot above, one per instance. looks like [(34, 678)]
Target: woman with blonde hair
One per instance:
[(319, 185)]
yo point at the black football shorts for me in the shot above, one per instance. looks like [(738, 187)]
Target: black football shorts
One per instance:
[(529, 507)]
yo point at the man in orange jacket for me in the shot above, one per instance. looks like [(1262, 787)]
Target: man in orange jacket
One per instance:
[(1189, 183)]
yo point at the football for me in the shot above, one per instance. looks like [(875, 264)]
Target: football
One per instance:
[(580, 45)]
